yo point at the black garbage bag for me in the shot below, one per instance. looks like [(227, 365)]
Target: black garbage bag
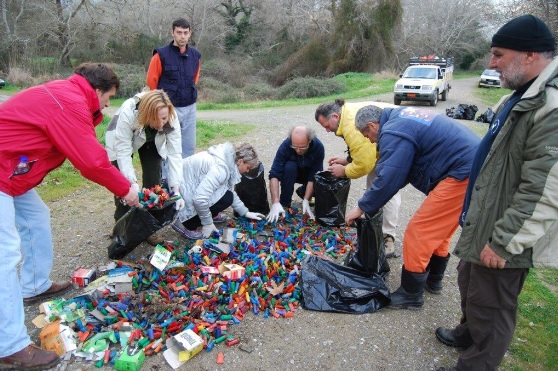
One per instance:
[(486, 117), (331, 195), (370, 254), (459, 112), (135, 226), (331, 287), (252, 191), (470, 112)]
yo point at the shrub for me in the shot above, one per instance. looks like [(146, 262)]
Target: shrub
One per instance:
[(233, 71), (132, 79), (214, 91), (217, 69), (259, 91), (309, 87), (20, 77)]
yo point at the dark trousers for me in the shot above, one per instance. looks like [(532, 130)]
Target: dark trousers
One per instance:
[(224, 202), (489, 311), (151, 173), (291, 175)]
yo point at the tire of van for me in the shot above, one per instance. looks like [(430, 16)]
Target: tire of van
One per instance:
[(445, 94), (396, 101), (434, 99)]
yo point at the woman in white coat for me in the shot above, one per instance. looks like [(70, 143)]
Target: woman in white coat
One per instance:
[(208, 187), (147, 124)]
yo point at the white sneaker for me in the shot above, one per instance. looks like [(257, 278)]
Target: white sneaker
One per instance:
[(389, 241)]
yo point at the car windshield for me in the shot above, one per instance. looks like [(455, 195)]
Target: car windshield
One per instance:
[(421, 73), (491, 73)]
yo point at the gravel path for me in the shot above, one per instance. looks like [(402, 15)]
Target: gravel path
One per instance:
[(386, 340)]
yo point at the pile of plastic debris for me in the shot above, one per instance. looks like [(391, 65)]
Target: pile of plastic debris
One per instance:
[(180, 300)]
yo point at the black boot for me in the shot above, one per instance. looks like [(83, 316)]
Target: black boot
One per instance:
[(437, 267), (409, 294)]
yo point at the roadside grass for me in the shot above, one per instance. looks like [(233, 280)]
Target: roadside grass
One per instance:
[(66, 179), (9, 89), (535, 342), (491, 96), (359, 85)]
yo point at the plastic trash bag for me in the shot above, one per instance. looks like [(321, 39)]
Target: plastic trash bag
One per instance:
[(252, 191), (370, 255), (331, 195), (465, 112), (331, 287), (470, 112), (459, 112), (135, 226), (486, 117), (450, 111)]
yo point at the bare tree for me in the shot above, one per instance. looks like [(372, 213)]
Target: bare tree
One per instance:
[(445, 28), (547, 10), (12, 13)]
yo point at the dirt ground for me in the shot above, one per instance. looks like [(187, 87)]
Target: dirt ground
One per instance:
[(386, 340)]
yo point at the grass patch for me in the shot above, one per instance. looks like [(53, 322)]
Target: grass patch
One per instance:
[(210, 132), (359, 85), (535, 342), (117, 102), (66, 179), (491, 96), (9, 89), (478, 128)]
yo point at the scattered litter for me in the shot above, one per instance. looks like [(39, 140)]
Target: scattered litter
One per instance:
[(184, 298)]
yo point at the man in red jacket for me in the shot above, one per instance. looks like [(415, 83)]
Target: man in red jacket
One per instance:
[(39, 129)]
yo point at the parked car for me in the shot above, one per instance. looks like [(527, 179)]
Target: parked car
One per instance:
[(490, 78), (2, 83)]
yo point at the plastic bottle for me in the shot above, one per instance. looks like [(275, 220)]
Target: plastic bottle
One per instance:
[(22, 167)]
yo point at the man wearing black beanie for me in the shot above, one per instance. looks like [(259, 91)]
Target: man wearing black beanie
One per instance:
[(510, 213)]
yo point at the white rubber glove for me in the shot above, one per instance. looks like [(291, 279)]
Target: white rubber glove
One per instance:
[(179, 204), (306, 209), (135, 187), (276, 210), (255, 216), (208, 229)]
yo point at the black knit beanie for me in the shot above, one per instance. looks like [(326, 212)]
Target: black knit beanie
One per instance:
[(525, 33)]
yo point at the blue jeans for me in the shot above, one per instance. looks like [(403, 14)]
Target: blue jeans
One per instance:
[(187, 118), (25, 231), (291, 175)]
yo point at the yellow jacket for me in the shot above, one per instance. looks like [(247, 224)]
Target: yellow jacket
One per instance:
[(362, 152)]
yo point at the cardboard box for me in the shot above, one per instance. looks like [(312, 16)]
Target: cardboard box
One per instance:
[(182, 347), (83, 276), (232, 271), (131, 359), (58, 338), (160, 258)]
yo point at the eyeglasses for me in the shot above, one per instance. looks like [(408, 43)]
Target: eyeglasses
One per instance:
[(300, 148)]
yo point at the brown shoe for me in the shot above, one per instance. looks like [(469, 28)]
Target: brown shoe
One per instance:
[(31, 358), (55, 288), (155, 240)]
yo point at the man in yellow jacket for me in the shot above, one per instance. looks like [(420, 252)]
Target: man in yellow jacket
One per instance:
[(339, 117)]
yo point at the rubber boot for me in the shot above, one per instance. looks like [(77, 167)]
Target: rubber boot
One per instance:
[(437, 267), (409, 294)]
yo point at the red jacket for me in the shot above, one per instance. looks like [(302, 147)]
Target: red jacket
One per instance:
[(49, 123)]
